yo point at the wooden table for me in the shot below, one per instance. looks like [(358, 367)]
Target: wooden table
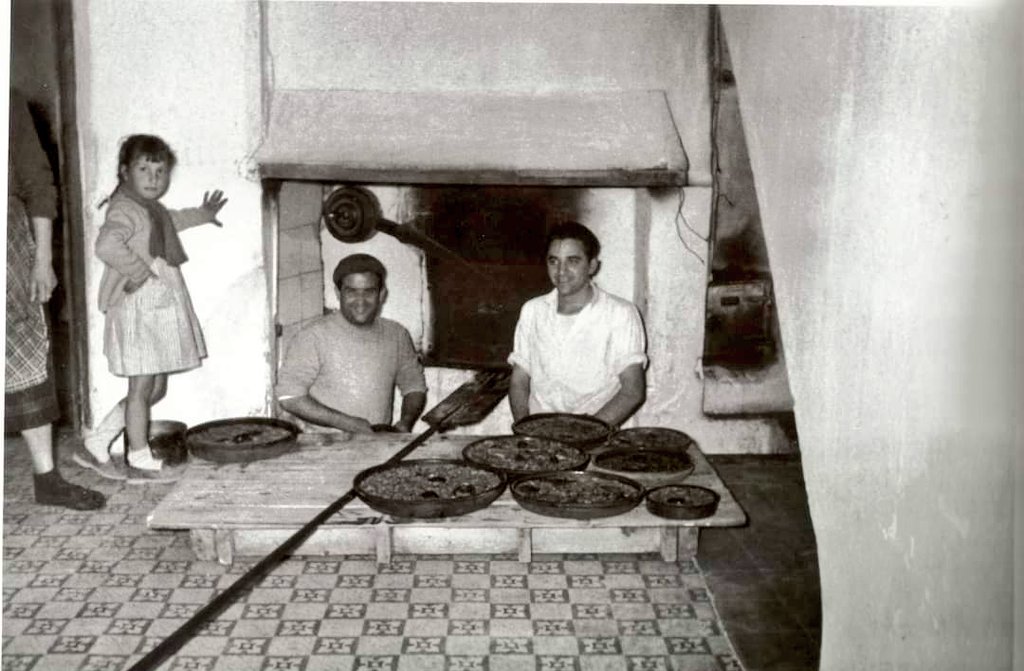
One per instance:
[(250, 509)]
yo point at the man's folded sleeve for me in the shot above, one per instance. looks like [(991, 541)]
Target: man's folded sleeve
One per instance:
[(520, 355), (410, 371), (629, 342)]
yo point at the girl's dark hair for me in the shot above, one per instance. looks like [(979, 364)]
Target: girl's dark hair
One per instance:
[(572, 230), (148, 146)]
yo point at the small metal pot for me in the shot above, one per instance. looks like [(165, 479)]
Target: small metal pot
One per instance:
[(167, 441)]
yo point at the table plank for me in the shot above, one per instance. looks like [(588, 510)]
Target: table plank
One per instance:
[(291, 489)]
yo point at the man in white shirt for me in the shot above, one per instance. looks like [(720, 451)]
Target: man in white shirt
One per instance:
[(577, 349)]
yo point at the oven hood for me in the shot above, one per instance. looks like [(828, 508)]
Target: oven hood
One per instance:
[(608, 139)]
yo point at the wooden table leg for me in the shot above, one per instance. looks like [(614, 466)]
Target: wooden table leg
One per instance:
[(224, 544), (669, 538), (525, 545), (202, 543), (688, 537), (383, 535)]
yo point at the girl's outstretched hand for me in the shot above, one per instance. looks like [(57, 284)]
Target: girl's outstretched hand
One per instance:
[(212, 202)]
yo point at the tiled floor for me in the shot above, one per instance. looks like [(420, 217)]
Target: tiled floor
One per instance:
[(92, 591)]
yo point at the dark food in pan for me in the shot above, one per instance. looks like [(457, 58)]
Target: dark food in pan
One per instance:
[(643, 461), (426, 479), (651, 438), (242, 439), (428, 488), (682, 502), (575, 430), (577, 494), (521, 455), (243, 432)]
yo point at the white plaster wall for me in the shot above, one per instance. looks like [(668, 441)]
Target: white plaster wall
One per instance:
[(211, 116), (884, 175), (676, 277), (541, 47), (187, 71)]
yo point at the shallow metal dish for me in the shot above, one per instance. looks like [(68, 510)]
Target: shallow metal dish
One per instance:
[(430, 488), (581, 431), (682, 502), (650, 468), (524, 455), (651, 438), (238, 440), (630, 460), (564, 494)]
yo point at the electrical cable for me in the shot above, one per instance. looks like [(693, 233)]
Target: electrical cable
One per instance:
[(716, 96), (679, 233)]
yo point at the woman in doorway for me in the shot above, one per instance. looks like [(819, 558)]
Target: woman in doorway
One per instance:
[(30, 398)]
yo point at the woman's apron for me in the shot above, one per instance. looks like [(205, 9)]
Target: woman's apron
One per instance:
[(28, 341)]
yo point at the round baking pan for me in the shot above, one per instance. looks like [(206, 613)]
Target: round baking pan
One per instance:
[(580, 431), (682, 502), (650, 438), (650, 468), (433, 488), (562, 494), (241, 445), (524, 455)]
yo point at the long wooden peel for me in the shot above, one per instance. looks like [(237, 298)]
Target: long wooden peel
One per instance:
[(468, 404)]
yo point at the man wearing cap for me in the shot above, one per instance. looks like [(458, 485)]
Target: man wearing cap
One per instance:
[(577, 349), (341, 370)]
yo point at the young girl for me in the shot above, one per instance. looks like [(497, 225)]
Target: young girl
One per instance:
[(151, 329)]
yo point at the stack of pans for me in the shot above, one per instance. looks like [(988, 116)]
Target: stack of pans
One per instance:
[(651, 456), (549, 478), (624, 468), (554, 464)]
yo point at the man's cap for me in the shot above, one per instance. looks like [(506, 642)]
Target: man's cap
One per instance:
[(358, 263)]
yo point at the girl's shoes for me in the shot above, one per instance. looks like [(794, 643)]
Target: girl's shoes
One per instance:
[(142, 467), (113, 469)]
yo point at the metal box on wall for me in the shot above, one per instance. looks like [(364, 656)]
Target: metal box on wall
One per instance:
[(738, 323)]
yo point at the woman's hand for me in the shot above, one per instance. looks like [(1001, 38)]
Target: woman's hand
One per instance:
[(43, 279), (43, 282), (212, 203)]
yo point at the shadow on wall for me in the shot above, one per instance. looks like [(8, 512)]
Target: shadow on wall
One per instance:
[(744, 363)]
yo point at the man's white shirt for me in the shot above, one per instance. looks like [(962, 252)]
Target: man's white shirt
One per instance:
[(574, 361)]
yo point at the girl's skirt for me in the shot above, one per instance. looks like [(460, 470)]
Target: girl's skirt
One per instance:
[(154, 329)]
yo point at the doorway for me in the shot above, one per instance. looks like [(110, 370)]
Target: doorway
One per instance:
[(42, 68)]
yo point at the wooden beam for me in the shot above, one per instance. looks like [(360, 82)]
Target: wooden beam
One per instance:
[(402, 174)]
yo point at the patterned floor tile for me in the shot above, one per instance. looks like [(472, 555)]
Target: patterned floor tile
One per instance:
[(97, 591)]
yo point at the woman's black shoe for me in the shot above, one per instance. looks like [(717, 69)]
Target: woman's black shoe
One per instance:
[(53, 490)]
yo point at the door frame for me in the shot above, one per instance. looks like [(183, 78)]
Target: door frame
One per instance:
[(70, 188)]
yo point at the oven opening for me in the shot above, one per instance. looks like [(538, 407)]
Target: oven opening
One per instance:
[(461, 260)]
